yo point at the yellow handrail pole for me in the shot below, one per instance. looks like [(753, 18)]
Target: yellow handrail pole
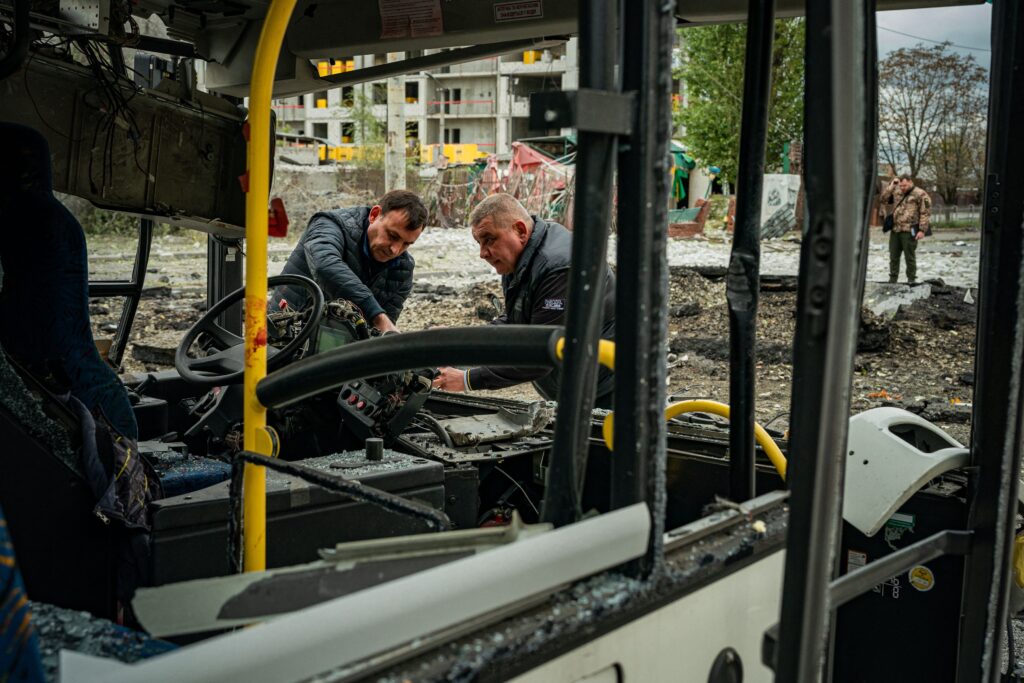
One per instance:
[(605, 352), (771, 449), (606, 357), (254, 488)]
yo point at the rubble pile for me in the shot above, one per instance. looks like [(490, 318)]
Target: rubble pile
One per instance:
[(915, 349)]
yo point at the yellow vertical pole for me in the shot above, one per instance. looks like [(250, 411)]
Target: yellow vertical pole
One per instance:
[(254, 489)]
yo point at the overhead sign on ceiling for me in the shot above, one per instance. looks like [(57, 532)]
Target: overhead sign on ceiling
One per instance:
[(517, 11), (410, 18)]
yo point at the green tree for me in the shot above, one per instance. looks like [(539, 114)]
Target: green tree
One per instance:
[(710, 64), (371, 129)]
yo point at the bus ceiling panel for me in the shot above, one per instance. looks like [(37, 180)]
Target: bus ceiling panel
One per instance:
[(229, 74), (337, 28), (334, 28), (725, 11), (232, 75)]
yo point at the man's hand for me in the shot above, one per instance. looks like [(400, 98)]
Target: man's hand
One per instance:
[(919, 236), (383, 323), (450, 379)]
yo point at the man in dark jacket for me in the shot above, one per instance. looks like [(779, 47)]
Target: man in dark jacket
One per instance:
[(533, 257), (359, 254)]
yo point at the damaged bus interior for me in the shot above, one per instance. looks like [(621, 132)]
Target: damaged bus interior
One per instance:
[(306, 479)]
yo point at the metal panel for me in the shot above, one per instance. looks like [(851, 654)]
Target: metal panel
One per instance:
[(996, 419), (94, 14), (184, 166), (348, 629), (680, 641)]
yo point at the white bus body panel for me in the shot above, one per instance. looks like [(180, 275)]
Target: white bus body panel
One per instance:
[(679, 642)]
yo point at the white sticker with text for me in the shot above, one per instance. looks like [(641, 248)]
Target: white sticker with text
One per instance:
[(517, 11)]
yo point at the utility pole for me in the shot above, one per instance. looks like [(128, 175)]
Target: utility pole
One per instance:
[(441, 90), (394, 149)]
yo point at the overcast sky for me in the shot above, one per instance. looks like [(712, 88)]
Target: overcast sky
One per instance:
[(967, 26)]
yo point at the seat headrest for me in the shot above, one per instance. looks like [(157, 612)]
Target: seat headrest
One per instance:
[(27, 168)]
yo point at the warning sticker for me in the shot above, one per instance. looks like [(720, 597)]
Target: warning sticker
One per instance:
[(517, 11), (855, 560), (410, 18), (921, 578)]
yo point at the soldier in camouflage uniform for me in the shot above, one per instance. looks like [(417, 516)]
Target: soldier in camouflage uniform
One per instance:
[(910, 208)]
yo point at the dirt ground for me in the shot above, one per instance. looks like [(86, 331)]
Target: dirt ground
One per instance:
[(919, 357)]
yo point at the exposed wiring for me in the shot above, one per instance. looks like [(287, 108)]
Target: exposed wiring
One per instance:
[(785, 413), (32, 100), (520, 487), (432, 423), (937, 42)]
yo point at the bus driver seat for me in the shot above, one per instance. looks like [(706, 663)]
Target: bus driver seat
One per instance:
[(44, 293)]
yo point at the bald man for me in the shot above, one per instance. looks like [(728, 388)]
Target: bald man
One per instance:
[(533, 257)]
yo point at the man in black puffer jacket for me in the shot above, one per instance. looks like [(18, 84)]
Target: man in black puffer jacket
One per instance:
[(533, 258), (359, 254)]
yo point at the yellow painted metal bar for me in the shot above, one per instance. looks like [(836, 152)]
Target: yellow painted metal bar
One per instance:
[(254, 488), (605, 352), (606, 356), (762, 437)]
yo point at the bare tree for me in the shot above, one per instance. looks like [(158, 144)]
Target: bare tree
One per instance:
[(956, 158), (929, 99)]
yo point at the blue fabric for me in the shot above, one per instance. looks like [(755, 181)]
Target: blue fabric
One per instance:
[(19, 644), (184, 474), (46, 281)]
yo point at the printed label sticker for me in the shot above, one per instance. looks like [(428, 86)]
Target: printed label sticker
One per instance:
[(517, 11), (921, 578)]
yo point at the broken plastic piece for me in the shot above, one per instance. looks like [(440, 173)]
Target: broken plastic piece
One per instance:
[(892, 454)]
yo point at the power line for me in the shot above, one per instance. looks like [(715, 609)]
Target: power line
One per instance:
[(937, 42)]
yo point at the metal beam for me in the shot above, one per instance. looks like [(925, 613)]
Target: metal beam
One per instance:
[(437, 59), (638, 466), (223, 276), (860, 581), (996, 421), (595, 168), (742, 286), (131, 290), (828, 309)]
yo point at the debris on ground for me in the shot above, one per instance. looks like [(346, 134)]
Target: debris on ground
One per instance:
[(915, 349)]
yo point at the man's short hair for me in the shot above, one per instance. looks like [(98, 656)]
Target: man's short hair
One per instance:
[(907, 176), (503, 208), (404, 200)]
